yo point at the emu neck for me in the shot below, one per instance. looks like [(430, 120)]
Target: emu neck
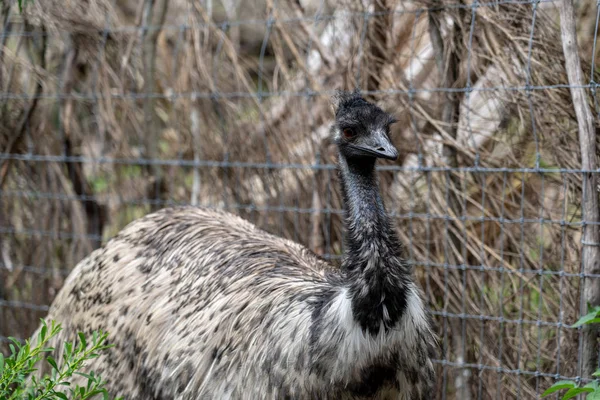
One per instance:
[(366, 219), (376, 274)]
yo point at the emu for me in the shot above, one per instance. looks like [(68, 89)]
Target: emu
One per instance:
[(201, 304)]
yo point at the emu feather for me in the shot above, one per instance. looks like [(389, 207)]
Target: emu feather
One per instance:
[(201, 304)]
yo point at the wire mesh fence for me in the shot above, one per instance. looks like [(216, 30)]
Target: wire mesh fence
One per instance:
[(112, 109)]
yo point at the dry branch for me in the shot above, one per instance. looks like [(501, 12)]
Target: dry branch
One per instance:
[(590, 253), (155, 12), (26, 115), (448, 62)]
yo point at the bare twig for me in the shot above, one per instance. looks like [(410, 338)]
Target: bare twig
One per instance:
[(95, 213), (6, 7), (378, 44), (448, 62), (195, 128), (132, 41), (293, 48), (315, 41), (590, 253), (231, 10), (151, 21), (26, 114)]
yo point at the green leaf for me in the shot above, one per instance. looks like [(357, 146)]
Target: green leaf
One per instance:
[(82, 338), (61, 395), (575, 391), (68, 350), (87, 376), (595, 309), (1, 364), (593, 396), (52, 362), (43, 332), (560, 385), (591, 317), (592, 385), (586, 319), (597, 373)]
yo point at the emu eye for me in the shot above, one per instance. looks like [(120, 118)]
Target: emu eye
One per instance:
[(349, 133)]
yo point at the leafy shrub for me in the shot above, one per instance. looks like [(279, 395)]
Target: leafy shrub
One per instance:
[(15, 370), (592, 389)]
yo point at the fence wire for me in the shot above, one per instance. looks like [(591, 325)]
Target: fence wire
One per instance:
[(111, 110)]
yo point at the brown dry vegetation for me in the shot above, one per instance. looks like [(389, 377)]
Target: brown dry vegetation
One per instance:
[(104, 121)]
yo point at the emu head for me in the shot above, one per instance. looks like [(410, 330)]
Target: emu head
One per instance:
[(361, 129)]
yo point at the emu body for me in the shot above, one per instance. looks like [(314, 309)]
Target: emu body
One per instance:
[(202, 304)]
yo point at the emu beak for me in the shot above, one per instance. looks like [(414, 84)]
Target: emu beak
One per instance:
[(377, 145)]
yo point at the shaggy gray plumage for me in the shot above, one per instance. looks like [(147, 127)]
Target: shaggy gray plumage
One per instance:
[(202, 304)]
